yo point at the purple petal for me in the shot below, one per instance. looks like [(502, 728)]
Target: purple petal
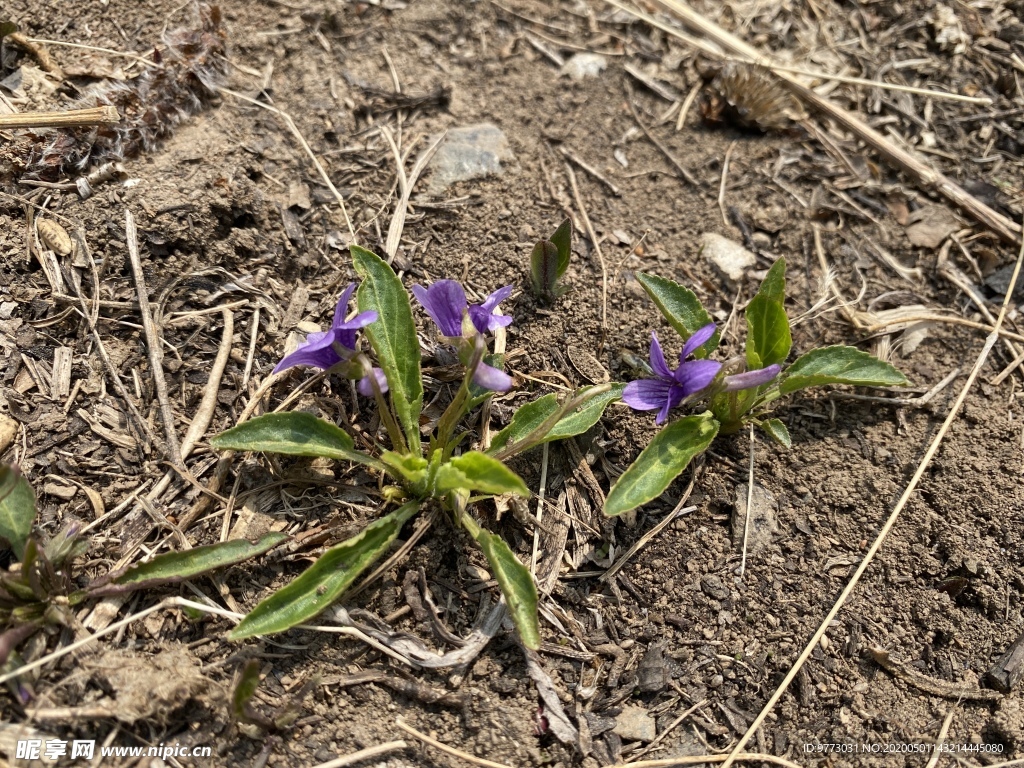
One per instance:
[(345, 332), (647, 394), (694, 375), (342, 308), (317, 351), (491, 378), (445, 301), (751, 379), (365, 388), (675, 396), (696, 340), (485, 317), (658, 359)]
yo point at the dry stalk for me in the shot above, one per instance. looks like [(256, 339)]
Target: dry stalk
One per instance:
[(72, 118)]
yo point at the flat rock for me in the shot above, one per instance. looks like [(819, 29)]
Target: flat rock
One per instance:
[(584, 65), (469, 152), (728, 256), (763, 518), (635, 724)]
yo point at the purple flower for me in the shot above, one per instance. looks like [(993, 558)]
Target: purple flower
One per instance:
[(751, 379), (670, 388), (445, 302), (325, 349)]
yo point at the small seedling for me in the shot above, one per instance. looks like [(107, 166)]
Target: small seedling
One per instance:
[(549, 262), (735, 393), (444, 471), (42, 590)]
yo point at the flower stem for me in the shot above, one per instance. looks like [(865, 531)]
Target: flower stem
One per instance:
[(397, 438), (457, 407)]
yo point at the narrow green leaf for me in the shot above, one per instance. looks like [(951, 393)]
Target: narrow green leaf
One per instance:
[(777, 431), (412, 469), (661, 462), (475, 471), (768, 336), (325, 580), (295, 433), (681, 308), (774, 284), (174, 567), (562, 240), (516, 585), (393, 337), (532, 416), (544, 269), (245, 688), (17, 508), (839, 365)]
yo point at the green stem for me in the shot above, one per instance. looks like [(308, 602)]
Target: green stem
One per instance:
[(457, 407), (397, 438), (536, 437)]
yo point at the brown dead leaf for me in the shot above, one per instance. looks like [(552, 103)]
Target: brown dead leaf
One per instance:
[(929, 225)]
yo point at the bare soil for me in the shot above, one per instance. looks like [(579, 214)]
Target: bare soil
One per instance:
[(230, 211)]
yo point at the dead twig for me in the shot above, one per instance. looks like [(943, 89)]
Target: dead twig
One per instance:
[(72, 118), (153, 341), (597, 249), (364, 754), (445, 748), (922, 682), (569, 154), (687, 176)]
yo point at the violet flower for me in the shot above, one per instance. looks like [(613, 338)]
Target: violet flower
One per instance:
[(670, 388), (458, 320), (325, 349)]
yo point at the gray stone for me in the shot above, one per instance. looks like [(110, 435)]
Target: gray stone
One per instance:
[(713, 586), (584, 65), (729, 257), (469, 152), (635, 724), (763, 518)]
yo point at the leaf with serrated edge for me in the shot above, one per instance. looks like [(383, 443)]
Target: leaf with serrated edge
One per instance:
[(17, 509), (174, 567), (562, 240), (516, 585), (661, 462), (324, 581), (774, 284), (768, 335), (839, 365), (532, 415), (475, 471), (681, 308), (295, 433), (777, 431), (393, 337)]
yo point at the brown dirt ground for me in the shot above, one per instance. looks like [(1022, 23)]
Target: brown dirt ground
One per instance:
[(214, 206)]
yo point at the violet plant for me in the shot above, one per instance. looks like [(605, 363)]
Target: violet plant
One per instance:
[(734, 393), (549, 261), (445, 471), (43, 591)]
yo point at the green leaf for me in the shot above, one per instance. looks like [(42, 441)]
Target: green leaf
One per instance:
[(325, 580), (475, 471), (562, 240), (174, 567), (248, 682), (532, 416), (774, 284), (681, 308), (393, 337), (777, 431), (295, 433), (17, 508), (516, 585), (661, 462), (768, 336), (544, 269), (839, 365), (412, 469)]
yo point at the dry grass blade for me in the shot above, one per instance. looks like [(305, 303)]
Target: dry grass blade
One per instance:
[(597, 249), (445, 748), (406, 184), (71, 118), (890, 521), (305, 146), (364, 754), (746, 757)]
